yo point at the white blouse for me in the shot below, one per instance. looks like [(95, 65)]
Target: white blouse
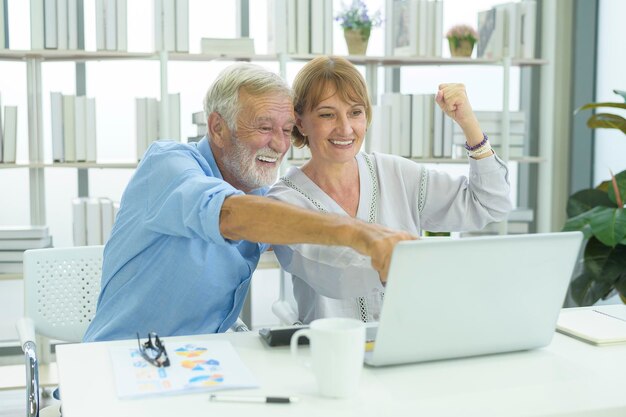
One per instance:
[(334, 281)]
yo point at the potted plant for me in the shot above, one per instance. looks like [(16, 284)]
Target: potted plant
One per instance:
[(600, 214), (357, 25), (461, 39)]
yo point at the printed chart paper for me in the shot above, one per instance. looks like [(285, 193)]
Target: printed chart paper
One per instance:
[(198, 366)]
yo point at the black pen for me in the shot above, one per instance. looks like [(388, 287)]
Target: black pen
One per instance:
[(253, 399)]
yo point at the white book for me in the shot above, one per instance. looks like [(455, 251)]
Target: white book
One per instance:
[(11, 256), (374, 134), (72, 24), (169, 25), (10, 134), (292, 35), (491, 31), (302, 29), (23, 244), (100, 25), (93, 221), (448, 124), (141, 119), (227, 46), (417, 125), (328, 27), (106, 212), (110, 25), (50, 24), (438, 131), (182, 25), (437, 32), (23, 232), (79, 221), (317, 27), (598, 325), (56, 123), (384, 139), (158, 25), (122, 25), (69, 133), (152, 121), (11, 267), (277, 26), (36, 24), (492, 128), (174, 116), (425, 15), (429, 123), (405, 125), (62, 28), (90, 123), (496, 116), (3, 32), (395, 122), (527, 18), (80, 129), (511, 33)]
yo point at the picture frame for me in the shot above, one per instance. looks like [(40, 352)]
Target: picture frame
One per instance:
[(403, 16)]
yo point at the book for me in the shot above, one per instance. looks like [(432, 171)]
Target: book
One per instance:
[(597, 325), (79, 221), (491, 32), (80, 129), (69, 132), (227, 46), (72, 24), (100, 25), (106, 211), (23, 232), (93, 220), (62, 29), (9, 146), (50, 24), (56, 119), (201, 365), (110, 25), (11, 255), (11, 267), (90, 134), (23, 244), (36, 24), (1, 131), (182, 25), (122, 25), (4, 27)]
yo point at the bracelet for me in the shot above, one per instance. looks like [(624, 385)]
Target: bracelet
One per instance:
[(481, 144), (486, 148)]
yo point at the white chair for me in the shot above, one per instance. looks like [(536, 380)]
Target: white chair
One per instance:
[(61, 288)]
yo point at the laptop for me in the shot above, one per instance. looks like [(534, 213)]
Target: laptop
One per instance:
[(454, 298)]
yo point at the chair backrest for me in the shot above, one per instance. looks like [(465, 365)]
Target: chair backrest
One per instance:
[(61, 287), (286, 308)]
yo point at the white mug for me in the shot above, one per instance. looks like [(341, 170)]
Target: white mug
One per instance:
[(337, 349)]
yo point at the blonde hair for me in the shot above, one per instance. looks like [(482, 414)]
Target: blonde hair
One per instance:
[(312, 81)]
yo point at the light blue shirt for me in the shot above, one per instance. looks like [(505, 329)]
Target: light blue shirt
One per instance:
[(166, 266)]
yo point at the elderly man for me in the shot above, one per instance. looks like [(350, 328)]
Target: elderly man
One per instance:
[(184, 245)]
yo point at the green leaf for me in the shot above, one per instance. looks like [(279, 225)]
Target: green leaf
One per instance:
[(621, 185), (585, 200), (607, 121), (609, 225), (580, 222), (586, 291), (603, 104)]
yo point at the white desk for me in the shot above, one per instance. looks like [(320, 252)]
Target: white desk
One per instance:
[(568, 378)]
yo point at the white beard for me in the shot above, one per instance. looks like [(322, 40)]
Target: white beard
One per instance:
[(241, 162)]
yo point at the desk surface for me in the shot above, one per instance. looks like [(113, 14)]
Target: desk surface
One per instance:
[(567, 378)]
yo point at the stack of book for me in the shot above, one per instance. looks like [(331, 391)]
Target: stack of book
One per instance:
[(14, 240), (8, 133), (55, 23), (300, 27), (148, 123), (73, 123), (93, 219), (507, 30), (491, 124), (111, 25), (171, 25)]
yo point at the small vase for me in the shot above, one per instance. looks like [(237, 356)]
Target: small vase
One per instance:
[(356, 41), (462, 47)]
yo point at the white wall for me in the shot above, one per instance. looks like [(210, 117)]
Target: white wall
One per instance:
[(610, 146)]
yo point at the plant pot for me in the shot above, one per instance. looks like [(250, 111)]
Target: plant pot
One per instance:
[(461, 47), (356, 41)]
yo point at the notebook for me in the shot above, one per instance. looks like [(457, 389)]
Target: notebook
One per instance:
[(453, 298), (598, 325)]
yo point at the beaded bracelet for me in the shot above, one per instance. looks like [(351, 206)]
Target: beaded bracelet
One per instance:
[(480, 145)]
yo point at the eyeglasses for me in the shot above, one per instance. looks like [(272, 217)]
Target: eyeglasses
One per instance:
[(154, 353)]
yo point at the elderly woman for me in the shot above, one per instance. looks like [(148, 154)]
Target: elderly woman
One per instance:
[(333, 112)]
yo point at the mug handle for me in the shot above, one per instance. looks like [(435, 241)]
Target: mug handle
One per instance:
[(294, 340)]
